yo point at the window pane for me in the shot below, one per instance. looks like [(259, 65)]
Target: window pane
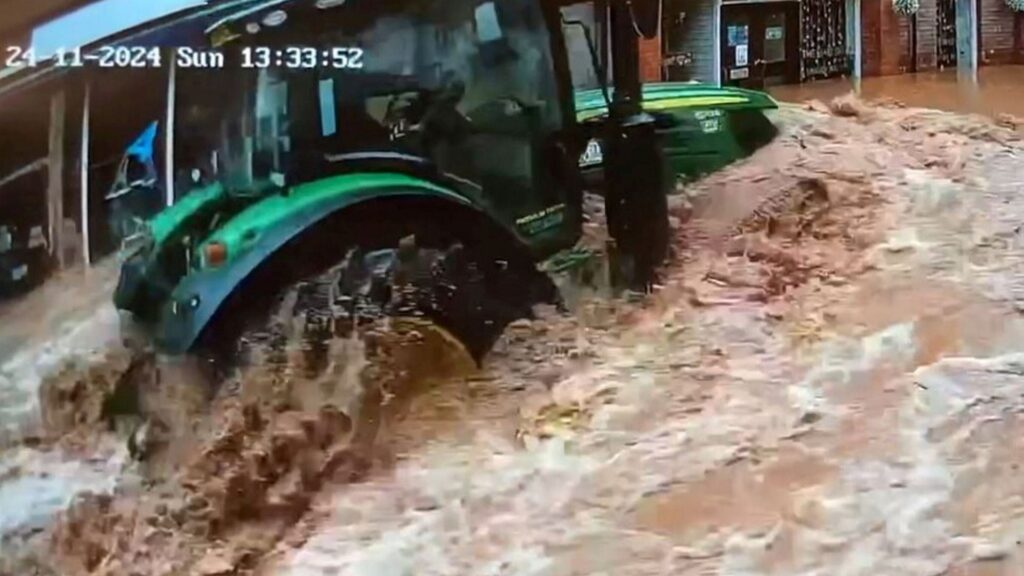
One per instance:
[(775, 38)]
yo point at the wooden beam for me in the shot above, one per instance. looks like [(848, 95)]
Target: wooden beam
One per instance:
[(1018, 38), (25, 170), (55, 175), (84, 186)]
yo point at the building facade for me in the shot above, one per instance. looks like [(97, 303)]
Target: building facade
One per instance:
[(760, 43)]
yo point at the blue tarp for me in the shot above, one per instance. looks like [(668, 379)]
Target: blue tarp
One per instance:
[(143, 146)]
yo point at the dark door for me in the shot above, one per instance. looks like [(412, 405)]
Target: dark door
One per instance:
[(737, 63), (760, 44)]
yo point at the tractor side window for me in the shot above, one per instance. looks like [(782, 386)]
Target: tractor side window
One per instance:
[(272, 120), (488, 29), (328, 117), (468, 84), (510, 99)]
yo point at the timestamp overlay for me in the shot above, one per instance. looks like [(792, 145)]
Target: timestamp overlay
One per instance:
[(303, 57), (248, 57)]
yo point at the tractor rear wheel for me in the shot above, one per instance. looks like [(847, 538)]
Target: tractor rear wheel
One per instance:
[(337, 280), (470, 297)]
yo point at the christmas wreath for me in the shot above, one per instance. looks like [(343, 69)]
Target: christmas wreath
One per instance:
[(1016, 5), (910, 7)]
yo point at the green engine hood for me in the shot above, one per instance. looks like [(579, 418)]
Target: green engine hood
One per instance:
[(669, 96), (171, 220), (713, 126)]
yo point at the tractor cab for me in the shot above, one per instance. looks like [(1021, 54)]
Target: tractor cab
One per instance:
[(464, 92)]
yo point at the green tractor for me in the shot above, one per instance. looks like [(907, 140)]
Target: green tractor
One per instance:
[(702, 128), (383, 158)]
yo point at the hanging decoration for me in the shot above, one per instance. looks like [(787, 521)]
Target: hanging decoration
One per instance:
[(1016, 5), (945, 33), (910, 7), (823, 42)]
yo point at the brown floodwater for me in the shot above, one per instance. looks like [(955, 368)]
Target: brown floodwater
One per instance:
[(995, 90)]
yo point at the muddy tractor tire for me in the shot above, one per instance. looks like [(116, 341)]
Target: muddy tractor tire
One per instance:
[(341, 277)]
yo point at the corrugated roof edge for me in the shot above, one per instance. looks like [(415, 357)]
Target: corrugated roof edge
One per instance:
[(14, 80)]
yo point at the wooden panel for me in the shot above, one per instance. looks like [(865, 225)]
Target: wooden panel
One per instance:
[(694, 35), (1018, 38), (997, 24), (905, 47), (927, 45)]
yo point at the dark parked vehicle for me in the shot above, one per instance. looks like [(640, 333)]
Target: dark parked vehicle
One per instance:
[(24, 259)]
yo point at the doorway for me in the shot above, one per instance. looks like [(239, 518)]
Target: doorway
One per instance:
[(760, 44)]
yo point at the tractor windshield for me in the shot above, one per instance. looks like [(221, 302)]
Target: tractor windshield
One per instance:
[(468, 84)]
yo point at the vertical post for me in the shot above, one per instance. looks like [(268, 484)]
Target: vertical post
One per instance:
[(55, 177), (854, 19), (169, 132), (625, 61), (84, 186), (636, 174), (717, 35), (966, 38)]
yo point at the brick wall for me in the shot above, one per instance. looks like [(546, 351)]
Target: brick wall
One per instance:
[(650, 59), (886, 36), (880, 30), (892, 48), (870, 29)]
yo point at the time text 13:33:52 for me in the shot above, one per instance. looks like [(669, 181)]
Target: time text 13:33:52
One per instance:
[(302, 57)]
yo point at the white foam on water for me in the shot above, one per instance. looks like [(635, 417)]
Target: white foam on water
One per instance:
[(22, 375), (35, 485)]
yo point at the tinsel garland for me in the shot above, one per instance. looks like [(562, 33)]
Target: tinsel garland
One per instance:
[(910, 7)]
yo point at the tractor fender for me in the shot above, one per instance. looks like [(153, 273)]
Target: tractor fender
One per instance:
[(281, 219)]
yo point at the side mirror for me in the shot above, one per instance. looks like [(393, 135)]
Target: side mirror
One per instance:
[(646, 16)]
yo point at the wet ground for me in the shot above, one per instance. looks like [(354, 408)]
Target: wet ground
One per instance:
[(71, 315), (828, 381), (995, 90)]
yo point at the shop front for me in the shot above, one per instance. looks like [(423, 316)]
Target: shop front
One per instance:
[(760, 44)]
